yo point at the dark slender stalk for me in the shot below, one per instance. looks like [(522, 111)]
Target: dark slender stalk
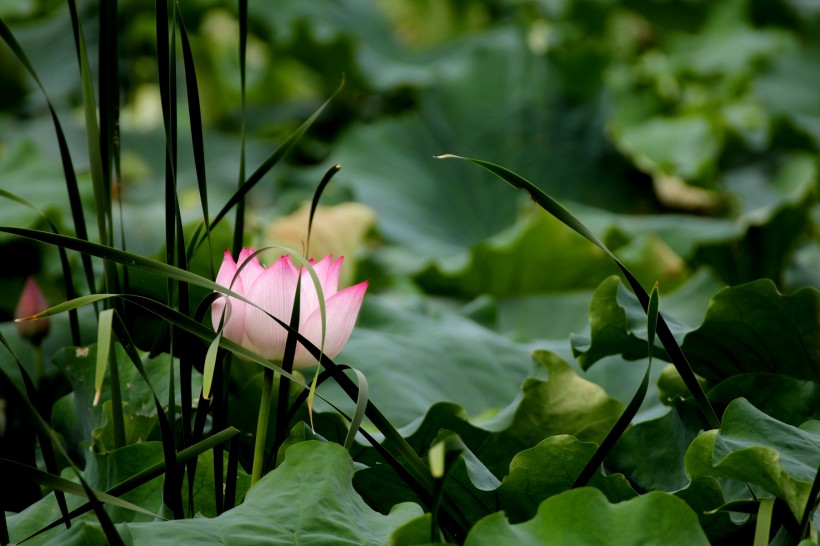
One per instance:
[(239, 221)]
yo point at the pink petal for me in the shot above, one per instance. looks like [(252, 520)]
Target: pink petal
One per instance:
[(327, 271), (234, 319), (252, 269), (273, 291), (342, 309)]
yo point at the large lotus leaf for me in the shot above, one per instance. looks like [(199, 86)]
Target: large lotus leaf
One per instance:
[(549, 468), (753, 447), (309, 499), (684, 146), (728, 46), (651, 453), (772, 200), (785, 90), (617, 323), (413, 359), (564, 404), (755, 328), (792, 401), (432, 207), (351, 37), (521, 260), (439, 208), (747, 328), (704, 495), (585, 516), (535, 474)]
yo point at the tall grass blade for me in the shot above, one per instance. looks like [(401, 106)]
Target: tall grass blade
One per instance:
[(632, 408), (358, 413), (272, 160), (195, 119), (171, 494), (229, 500), (314, 203), (102, 192), (281, 426), (109, 90), (664, 334), (4, 527), (763, 525), (105, 356), (239, 221)]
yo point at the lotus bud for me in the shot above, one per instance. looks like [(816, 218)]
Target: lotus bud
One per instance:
[(32, 302)]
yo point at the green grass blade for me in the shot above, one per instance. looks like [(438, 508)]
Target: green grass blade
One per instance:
[(331, 172), (61, 484), (150, 473), (239, 221), (664, 334), (361, 407), (281, 426), (764, 522), (272, 160), (195, 119), (623, 422), (210, 366), (118, 256), (4, 529), (104, 356), (109, 88), (102, 193), (103, 348), (172, 494)]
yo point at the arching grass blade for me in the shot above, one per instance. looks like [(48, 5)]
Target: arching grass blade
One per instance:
[(664, 333), (632, 408)]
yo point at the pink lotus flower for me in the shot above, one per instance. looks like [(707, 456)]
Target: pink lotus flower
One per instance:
[(32, 302), (273, 289)]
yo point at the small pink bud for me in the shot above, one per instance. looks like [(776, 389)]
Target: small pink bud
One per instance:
[(32, 302)]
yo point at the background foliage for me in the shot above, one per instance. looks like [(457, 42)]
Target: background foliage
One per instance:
[(684, 134)]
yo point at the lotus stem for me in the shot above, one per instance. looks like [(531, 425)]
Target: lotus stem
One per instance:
[(262, 427)]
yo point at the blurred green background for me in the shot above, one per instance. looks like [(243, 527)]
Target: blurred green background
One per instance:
[(684, 133)]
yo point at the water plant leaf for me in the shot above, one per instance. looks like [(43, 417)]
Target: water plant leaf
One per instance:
[(747, 328), (307, 499), (756, 448), (564, 404), (755, 328), (585, 516)]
